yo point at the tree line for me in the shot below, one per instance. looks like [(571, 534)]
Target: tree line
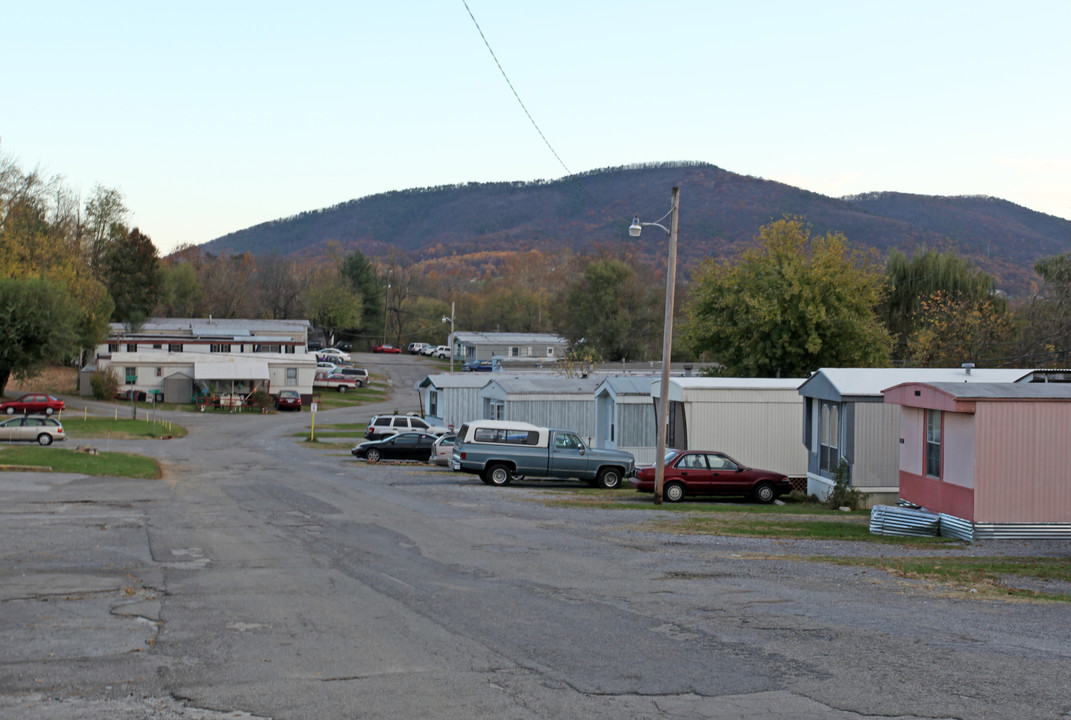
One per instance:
[(789, 303)]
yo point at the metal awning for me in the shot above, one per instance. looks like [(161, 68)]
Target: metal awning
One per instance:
[(237, 370)]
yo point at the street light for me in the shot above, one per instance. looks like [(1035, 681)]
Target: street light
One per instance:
[(634, 230), (451, 341)]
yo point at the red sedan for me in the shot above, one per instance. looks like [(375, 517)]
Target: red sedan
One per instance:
[(387, 349), (703, 472), (33, 403)]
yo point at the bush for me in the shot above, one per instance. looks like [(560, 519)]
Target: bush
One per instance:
[(260, 399), (104, 385), (844, 495)]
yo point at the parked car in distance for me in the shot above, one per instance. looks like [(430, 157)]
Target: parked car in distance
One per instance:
[(443, 449), (324, 366), (43, 430), (288, 400), (704, 472), (441, 351), (332, 355), (479, 366), (415, 348), (33, 403), (402, 446), (382, 425), (335, 381), (389, 349), (360, 374), (344, 346)]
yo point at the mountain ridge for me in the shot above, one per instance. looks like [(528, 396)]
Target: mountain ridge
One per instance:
[(720, 213)]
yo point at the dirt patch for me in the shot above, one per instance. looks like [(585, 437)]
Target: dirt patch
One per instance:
[(56, 380)]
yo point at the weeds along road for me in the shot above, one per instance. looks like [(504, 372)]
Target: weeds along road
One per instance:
[(262, 578)]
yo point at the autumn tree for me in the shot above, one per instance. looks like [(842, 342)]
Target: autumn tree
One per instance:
[(609, 311), (788, 306), (911, 281), (1046, 318), (952, 329), (331, 302), (105, 223)]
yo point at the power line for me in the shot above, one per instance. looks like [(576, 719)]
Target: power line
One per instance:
[(569, 173)]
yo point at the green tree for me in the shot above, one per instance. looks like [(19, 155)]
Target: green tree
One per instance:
[(332, 304), (180, 292), (363, 279), (609, 311), (789, 306), (1046, 319), (105, 213), (913, 280), (37, 326), (132, 268)]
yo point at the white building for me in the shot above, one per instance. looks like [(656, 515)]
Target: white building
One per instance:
[(625, 416), (178, 359)]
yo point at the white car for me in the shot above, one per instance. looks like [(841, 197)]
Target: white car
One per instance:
[(442, 351), (329, 354), (324, 366), (443, 449)]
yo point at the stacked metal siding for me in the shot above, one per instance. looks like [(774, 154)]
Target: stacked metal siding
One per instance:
[(1022, 531), (903, 521)]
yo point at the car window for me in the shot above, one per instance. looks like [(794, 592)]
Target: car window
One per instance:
[(381, 421), (401, 422), (566, 441), (406, 439), (418, 423)]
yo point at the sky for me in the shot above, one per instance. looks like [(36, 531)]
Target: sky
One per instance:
[(210, 117)]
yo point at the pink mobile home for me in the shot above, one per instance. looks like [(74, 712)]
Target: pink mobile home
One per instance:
[(994, 455)]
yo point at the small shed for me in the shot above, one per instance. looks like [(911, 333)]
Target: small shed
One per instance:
[(545, 400), (845, 417), (624, 416), (178, 388), (992, 455), (758, 421), (452, 399)]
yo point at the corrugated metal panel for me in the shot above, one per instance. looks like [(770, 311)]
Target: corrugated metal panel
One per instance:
[(575, 415), (902, 521), (955, 527), (636, 425), (460, 405), (1022, 531)]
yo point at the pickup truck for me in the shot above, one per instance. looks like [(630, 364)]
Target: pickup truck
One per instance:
[(335, 381), (501, 451)]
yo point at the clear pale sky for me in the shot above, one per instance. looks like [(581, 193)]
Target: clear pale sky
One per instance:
[(213, 116)]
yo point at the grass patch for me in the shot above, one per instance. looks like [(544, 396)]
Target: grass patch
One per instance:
[(987, 575), (106, 463), (332, 400), (98, 427)]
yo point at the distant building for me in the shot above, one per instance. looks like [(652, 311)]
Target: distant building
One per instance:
[(473, 346), (178, 359)]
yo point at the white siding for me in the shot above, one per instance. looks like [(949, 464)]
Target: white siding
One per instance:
[(876, 466)]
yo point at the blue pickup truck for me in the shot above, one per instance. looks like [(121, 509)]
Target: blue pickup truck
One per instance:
[(501, 451)]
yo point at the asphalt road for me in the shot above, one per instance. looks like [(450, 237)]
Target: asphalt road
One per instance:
[(264, 579)]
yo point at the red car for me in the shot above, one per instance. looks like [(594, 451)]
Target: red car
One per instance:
[(387, 349), (33, 403), (704, 472), (288, 400)]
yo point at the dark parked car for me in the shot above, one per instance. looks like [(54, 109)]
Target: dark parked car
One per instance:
[(344, 346), (403, 446), (702, 472), (478, 366), (32, 403), (288, 400)]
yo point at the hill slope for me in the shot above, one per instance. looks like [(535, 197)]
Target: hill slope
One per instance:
[(720, 212)]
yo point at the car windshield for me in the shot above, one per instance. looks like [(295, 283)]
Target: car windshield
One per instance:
[(670, 455)]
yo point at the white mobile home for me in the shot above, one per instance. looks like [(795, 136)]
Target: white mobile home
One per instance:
[(472, 346), (625, 417), (758, 421), (546, 400), (453, 399), (845, 416)]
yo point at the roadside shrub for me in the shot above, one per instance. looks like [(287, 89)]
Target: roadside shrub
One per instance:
[(260, 399), (844, 495), (104, 385)]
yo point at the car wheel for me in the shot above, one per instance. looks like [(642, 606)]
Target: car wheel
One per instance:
[(44, 439), (49, 411), (11, 411), (498, 474), (609, 478), (673, 492), (765, 493), (342, 388), (358, 383), (372, 455)]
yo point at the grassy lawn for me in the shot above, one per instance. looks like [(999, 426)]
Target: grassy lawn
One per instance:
[(59, 460), (98, 427), (979, 576)]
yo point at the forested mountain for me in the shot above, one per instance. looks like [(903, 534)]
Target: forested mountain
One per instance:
[(720, 212)]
